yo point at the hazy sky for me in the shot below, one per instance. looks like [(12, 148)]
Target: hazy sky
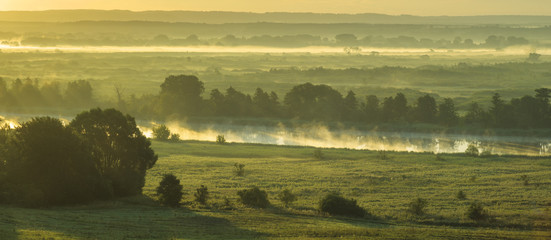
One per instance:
[(414, 7)]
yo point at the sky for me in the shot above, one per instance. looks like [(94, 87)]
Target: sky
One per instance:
[(393, 7)]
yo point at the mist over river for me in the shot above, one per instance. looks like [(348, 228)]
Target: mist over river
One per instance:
[(319, 135)]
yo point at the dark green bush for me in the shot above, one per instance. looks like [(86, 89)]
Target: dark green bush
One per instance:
[(477, 212), (417, 207), (239, 169), (161, 132), (220, 139), (461, 195), (335, 204), (254, 197), (286, 197), (202, 195), (175, 137), (472, 151), (170, 191)]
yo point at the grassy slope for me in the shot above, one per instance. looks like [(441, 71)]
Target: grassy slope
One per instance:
[(384, 187)]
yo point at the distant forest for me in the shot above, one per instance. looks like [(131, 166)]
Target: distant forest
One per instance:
[(182, 96), (248, 17)]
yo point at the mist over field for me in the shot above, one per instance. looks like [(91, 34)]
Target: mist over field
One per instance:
[(275, 121)]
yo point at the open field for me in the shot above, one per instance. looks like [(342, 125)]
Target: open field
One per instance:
[(519, 209)]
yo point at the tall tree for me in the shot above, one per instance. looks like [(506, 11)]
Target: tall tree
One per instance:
[(120, 151), (181, 95)]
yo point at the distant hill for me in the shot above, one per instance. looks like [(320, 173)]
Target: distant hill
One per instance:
[(276, 17)]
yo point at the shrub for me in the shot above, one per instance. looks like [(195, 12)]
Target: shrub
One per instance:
[(161, 133), (220, 139), (334, 204), (461, 195), (239, 169), (485, 154), (175, 137), (318, 154), (472, 151), (417, 207), (202, 195), (287, 197), (170, 191), (477, 212), (254, 197)]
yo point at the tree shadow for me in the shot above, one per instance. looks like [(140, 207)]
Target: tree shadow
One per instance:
[(117, 220)]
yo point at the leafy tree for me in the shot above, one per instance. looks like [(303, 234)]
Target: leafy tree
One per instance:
[(425, 109), (220, 139), (335, 204), (79, 94), (309, 102), (120, 151), (447, 113), (395, 109), (47, 164), (371, 109), (254, 197), (170, 191), (472, 151), (181, 95), (350, 107), (161, 132)]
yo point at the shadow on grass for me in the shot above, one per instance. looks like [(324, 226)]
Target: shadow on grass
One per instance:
[(119, 219)]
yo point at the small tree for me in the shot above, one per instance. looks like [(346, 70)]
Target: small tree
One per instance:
[(170, 191), (472, 151), (477, 212), (202, 195), (334, 204), (220, 139), (239, 169), (161, 132), (254, 197), (175, 137), (417, 207), (287, 197)]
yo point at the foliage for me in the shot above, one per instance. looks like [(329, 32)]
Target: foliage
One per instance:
[(287, 197), (254, 197), (239, 169), (220, 139), (119, 149), (170, 191), (161, 132), (417, 207), (472, 151), (181, 95), (175, 137), (47, 164), (477, 212), (202, 195), (335, 204)]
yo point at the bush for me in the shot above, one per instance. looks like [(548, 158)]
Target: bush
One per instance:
[(287, 197), (175, 137), (254, 197), (318, 154), (239, 169), (202, 195), (472, 151), (334, 204), (461, 195), (161, 133), (477, 212), (170, 191), (417, 207), (220, 139)]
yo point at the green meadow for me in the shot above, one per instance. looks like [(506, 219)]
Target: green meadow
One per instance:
[(515, 190)]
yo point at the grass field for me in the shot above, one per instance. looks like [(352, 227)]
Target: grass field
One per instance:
[(518, 209)]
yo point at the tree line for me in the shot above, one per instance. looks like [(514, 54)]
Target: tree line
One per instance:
[(28, 93), (182, 96), (100, 154)]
